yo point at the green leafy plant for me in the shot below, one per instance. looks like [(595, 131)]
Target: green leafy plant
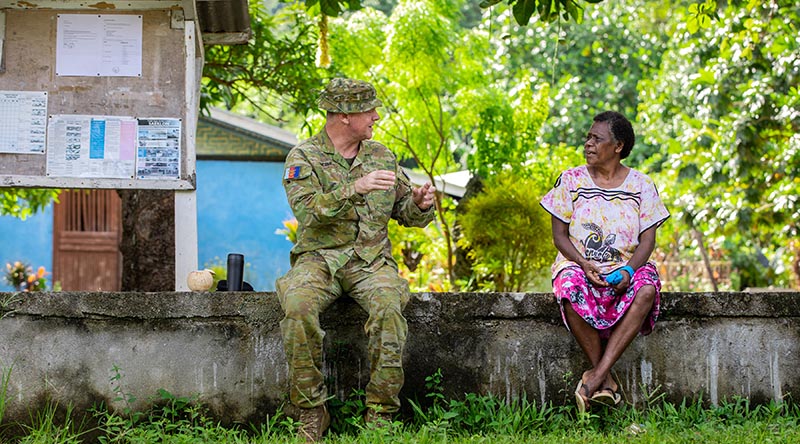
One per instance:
[(116, 426), (476, 413), (567, 388), (275, 427), (505, 137), (273, 72), (422, 253), (346, 416), (46, 427), (168, 415), (127, 399), (24, 202), (5, 302), (722, 107), (178, 419), (507, 233), (436, 415), (5, 377), (547, 10), (700, 15)]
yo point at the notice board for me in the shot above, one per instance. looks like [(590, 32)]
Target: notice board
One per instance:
[(128, 122)]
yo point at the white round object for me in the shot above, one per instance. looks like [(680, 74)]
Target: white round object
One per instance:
[(200, 280)]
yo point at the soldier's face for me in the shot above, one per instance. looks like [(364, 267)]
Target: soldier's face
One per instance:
[(361, 123)]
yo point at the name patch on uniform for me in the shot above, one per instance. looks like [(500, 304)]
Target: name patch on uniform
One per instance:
[(292, 172)]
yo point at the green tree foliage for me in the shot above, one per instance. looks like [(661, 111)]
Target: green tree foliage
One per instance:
[(274, 74), (506, 135), (24, 202), (592, 66), (505, 145), (547, 10), (333, 8), (421, 253), (519, 171), (725, 110), (445, 102), (508, 233), (430, 74)]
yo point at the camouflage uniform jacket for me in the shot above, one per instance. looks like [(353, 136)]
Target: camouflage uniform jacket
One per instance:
[(333, 219)]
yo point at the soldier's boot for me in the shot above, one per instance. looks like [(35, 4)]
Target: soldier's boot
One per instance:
[(376, 419), (313, 423)]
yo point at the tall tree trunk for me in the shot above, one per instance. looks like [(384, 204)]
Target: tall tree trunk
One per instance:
[(463, 265), (148, 240), (795, 247), (698, 235)]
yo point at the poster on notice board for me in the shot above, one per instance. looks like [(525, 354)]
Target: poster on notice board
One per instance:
[(159, 148), (91, 146)]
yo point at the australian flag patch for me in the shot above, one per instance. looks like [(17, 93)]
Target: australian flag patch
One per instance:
[(292, 172)]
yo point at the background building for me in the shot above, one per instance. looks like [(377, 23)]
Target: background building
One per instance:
[(240, 205)]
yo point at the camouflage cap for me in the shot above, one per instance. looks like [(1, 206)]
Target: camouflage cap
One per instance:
[(348, 96)]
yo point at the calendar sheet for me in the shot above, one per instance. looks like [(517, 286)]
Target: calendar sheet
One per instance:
[(23, 121)]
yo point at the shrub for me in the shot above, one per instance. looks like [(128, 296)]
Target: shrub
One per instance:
[(508, 232)]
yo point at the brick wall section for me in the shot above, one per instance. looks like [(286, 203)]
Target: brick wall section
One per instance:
[(216, 142)]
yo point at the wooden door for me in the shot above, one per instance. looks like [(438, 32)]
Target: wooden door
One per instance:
[(87, 229)]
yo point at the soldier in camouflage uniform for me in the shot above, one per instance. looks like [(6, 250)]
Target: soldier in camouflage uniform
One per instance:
[(343, 188)]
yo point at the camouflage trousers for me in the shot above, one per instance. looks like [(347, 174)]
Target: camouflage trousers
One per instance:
[(307, 290)]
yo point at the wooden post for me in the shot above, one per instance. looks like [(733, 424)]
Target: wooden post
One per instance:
[(186, 255)]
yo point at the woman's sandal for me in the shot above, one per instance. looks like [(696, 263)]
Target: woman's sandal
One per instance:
[(581, 401), (607, 396)]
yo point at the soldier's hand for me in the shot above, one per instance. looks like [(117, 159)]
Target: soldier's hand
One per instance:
[(424, 196), (376, 180)]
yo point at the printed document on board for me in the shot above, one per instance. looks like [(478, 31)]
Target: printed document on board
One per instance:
[(91, 146), (99, 45)]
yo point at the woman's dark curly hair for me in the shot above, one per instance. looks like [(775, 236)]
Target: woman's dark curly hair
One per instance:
[(621, 129)]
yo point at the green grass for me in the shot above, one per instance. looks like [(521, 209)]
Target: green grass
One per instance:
[(473, 419), (5, 377)]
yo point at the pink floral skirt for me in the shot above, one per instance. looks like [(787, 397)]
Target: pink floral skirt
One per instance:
[(601, 307)]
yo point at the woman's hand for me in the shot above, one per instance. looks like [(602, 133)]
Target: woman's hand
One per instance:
[(622, 286), (562, 243), (620, 278), (647, 241), (592, 272)]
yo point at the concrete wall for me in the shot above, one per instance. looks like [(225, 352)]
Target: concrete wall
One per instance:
[(227, 348)]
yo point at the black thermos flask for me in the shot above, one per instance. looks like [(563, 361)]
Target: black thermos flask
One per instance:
[(235, 271)]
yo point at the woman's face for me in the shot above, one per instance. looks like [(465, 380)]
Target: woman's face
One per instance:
[(600, 147)]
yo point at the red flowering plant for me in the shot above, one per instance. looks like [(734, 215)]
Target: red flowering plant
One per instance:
[(22, 278)]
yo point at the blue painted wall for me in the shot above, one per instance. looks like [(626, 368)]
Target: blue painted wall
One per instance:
[(239, 207), (29, 241)]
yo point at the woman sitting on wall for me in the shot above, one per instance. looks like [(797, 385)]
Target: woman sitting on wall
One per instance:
[(604, 220)]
